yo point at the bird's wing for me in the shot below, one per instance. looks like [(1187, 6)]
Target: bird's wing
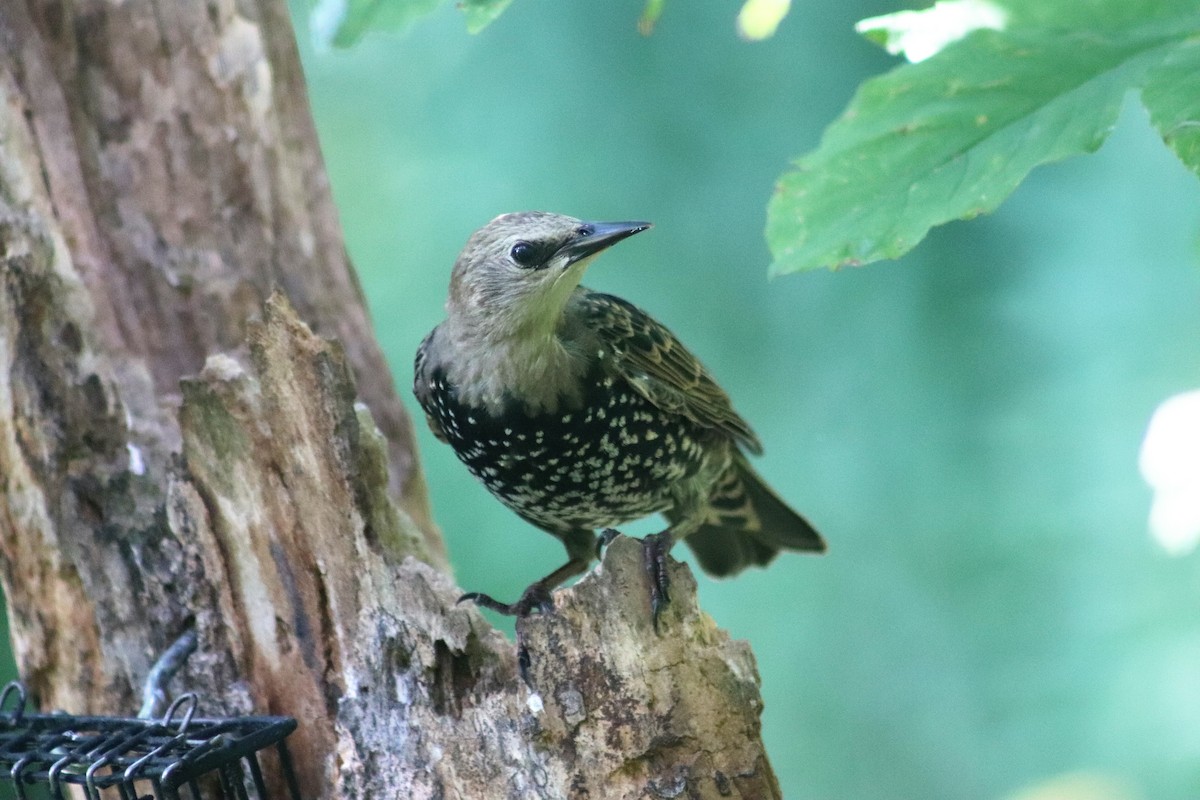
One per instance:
[(661, 369), (421, 387)]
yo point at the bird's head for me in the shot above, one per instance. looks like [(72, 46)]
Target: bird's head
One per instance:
[(516, 273)]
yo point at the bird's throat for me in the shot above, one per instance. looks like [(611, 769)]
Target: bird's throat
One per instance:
[(539, 371)]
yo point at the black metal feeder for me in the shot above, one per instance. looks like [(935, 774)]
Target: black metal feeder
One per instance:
[(174, 757)]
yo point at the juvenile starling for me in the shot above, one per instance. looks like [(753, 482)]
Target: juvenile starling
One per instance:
[(580, 412)]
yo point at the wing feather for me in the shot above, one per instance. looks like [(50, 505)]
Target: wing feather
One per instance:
[(661, 369)]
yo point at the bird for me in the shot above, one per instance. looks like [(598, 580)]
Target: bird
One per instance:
[(580, 412)]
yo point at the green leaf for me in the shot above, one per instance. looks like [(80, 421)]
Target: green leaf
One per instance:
[(951, 137), (341, 23), (1172, 95), (481, 13)]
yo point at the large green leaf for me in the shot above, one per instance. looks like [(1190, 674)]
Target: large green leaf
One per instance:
[(951, 137), (1172, 95)]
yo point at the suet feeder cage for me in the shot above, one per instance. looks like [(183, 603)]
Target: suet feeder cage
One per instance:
[(175, 757)]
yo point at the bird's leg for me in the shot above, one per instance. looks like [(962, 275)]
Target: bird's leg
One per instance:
[(536, 596), (689, 513), (656, 548)]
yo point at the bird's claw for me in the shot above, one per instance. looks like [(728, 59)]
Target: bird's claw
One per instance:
[(524, 664), (535, 598), (655, 550), (605, 538)]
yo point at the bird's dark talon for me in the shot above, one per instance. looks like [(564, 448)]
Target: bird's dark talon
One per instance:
[(487, 601), (606, 537), (535, 598), (543, 604), (657, 604), (524, 662)]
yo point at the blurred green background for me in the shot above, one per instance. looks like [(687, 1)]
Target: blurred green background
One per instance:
[(963, 427)]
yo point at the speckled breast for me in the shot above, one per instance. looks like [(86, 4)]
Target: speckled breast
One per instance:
[(610, 461)]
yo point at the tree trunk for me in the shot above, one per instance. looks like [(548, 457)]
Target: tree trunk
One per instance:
[(179, 451)]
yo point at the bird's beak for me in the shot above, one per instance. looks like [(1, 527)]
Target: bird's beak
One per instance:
[(592, 237)]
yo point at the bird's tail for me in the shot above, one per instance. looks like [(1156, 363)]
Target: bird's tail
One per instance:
[(748, 524)]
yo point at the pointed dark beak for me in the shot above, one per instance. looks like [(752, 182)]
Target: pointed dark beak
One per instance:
[(592, 237)]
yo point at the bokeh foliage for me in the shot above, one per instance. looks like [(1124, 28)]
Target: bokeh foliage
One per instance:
[(953, 136)]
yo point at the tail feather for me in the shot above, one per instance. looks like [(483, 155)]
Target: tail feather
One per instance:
[(748, 525)]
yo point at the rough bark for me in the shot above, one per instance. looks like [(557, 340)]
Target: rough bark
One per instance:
[(159, 179)]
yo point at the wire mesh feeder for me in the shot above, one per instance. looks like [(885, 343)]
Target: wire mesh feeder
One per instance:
[(176, 757)]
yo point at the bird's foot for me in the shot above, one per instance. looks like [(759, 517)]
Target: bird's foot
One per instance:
[(535, 598), (656, 549), (605, 538)]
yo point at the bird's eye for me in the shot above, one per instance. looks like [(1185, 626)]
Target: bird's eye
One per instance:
[(524, 254), (584, 230)]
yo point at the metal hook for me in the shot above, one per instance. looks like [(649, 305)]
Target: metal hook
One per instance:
[(19, 712), (192, 700), (89, 778)]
